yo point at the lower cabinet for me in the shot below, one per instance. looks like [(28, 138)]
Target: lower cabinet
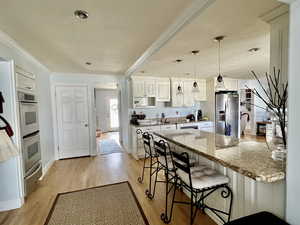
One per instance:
[(137, 140)]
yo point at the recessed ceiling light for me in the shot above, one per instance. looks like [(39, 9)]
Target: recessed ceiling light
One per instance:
[(195, 52), (178, 60), (253, 50), (88, 63), (81, 14)]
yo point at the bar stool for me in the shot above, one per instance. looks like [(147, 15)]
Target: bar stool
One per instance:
[(200, 182), (165, 163), (149, 154)]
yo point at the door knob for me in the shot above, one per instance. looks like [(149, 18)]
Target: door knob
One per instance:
[(86, 125)]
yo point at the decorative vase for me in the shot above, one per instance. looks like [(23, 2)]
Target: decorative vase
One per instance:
[(275, 141)]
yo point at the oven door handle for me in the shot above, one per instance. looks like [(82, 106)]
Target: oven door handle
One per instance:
[(36, 133), (34, 172)]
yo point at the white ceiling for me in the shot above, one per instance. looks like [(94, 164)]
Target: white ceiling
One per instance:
[(115, 35), (239, 21)]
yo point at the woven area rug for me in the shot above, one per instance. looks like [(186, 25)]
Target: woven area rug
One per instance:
[(114, 204), (109, 146)]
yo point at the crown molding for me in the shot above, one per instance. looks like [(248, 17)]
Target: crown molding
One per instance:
[(287, 1), (11, 43), (275, 13), (196, 7)]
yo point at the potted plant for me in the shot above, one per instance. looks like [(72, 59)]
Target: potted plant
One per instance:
[(275, 96)]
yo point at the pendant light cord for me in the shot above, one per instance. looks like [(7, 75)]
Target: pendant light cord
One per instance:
[(219, 57)]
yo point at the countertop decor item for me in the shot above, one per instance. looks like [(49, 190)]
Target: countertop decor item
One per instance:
[(275, 96)]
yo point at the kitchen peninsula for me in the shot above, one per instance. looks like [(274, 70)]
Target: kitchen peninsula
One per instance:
[(257, 181)]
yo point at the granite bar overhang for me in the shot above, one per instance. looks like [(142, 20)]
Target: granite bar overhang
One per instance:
[(249, 158)]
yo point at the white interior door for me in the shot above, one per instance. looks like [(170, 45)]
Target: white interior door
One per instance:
[(73, 122)]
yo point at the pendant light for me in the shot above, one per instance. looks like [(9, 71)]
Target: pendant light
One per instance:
[(179, 90), (195, 87), (220, 82)]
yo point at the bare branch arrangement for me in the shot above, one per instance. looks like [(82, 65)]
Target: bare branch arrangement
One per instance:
[(276, 98)]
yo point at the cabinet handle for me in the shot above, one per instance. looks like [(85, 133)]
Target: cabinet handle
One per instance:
[(30, 88)]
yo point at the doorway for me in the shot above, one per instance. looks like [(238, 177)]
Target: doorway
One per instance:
[(72, 121), (107, 121)]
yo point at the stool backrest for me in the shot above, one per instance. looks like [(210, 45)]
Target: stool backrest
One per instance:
[(162, 149), (147, 141), (181, 162)]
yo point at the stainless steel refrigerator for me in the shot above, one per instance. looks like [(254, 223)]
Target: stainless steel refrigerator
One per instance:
[(227, 113)]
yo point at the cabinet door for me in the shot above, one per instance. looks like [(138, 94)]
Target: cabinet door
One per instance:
[(163, 91), (138, 87), (177, 100), (150, 88), (25, 83), (201, 95), (231, 84), (188, 95)]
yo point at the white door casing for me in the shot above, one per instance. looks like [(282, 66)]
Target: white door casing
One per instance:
[(72, 121)]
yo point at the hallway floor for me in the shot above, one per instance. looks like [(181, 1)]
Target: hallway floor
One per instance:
[(80, 173)]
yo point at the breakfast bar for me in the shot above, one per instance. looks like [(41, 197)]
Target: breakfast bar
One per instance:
[(257, 181)]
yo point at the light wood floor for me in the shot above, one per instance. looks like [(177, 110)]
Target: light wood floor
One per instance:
[(75, 174)]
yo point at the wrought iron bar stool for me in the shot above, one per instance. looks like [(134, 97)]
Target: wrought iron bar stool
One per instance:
[(149, 154), (165, 164), (200, 182)]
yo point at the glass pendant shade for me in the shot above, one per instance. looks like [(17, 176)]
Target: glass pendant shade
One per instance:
[(220, 83), (195, 87), (179, 90)]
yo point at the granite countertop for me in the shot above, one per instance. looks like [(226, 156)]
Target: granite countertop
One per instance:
[(170, 122), (249, 158)]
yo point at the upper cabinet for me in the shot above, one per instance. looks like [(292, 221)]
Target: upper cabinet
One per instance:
[(166, 90), (25, 81), (187, 98), (188, 95), (138, 88), (150, 88), (177, 99), (163, 90), (229, 83), (201, 95), (143, 87)]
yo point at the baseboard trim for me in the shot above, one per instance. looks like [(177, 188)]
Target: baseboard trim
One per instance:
[(11, 204), (46, 168)]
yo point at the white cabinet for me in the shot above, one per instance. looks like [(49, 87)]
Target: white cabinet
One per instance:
[(163, 90), (229, 83), (150, 88), (25, 81), (143, 87), (188, 95), (201, 95), (138, 88), (188, 98)]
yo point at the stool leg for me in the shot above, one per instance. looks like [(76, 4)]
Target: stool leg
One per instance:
[(155, 181), (192, 207), (164, 216), (148, 191), (141, 179)]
